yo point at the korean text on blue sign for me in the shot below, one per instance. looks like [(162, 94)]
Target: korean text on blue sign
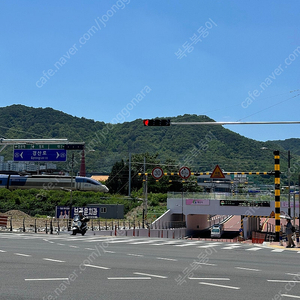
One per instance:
[(90, 212), (40, 155)]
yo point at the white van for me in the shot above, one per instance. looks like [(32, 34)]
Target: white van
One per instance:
[(216, 231)]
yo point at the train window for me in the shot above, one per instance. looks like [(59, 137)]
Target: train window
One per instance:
[(91, 181), (103, 210)]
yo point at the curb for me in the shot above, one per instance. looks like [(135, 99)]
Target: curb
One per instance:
[(269, 245)]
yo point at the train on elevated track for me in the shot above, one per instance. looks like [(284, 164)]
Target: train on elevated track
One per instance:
[(54, 182)]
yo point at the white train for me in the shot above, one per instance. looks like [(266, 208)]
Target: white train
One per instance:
[(55, 182)]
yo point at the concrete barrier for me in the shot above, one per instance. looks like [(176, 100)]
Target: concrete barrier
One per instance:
[(3, 221)]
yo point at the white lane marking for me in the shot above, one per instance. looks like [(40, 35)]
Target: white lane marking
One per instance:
[(92, 249), (45, 279), (143, 242), (151, 275), (2, 251), (121, 241), (106, 251), (283, 281), (98, 267), (231, 247), (290, 296), (209, 245), (205, 264), (189, 244), (253, 249), (54, 260), (71, 246), (165, 243), (292, 274), (21, 254), (219, 285), (278, 250), (210, 278), (131, 254), (98, 240), (164, 258), (247, 269), (61, 244), (128, 278)]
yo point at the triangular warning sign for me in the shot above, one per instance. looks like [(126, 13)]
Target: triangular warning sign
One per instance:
[(217, 173)]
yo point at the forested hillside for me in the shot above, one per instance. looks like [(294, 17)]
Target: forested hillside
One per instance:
[(198, 147)]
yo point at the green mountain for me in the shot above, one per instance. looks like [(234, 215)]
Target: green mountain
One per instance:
[(198, 147)]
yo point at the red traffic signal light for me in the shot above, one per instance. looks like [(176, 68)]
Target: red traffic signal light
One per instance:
[(157, 122)]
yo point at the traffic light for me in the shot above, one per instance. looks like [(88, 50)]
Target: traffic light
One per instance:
[(157, 122), (74, 147)]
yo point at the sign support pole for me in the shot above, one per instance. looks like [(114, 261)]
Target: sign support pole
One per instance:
[(277, 194)]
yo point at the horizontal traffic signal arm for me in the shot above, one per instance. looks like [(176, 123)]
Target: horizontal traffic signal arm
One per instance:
[(166, 122), (74, 147), (157, 122)]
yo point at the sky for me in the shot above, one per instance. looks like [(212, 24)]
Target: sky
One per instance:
[(120, 60)]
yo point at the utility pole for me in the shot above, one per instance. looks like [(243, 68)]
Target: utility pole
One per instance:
[(129, 175), (289, 182), (145, 193), (71, 200)]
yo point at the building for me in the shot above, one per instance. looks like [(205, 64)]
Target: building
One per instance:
[(16, 166)]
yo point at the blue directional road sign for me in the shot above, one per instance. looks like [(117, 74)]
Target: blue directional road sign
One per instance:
[(40, 155)]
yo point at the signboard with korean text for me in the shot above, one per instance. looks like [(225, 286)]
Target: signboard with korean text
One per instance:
[(39, 146), (197, 201), (62, 212), (40, 155), (90, 212)]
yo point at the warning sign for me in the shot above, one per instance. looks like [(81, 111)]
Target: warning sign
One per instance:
[(217, 173)]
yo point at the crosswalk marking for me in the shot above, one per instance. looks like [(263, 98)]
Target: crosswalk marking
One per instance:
[(231, 247), (209, 245), (277, 250), (254, 249), (201, 244), (189, 244), (144, 242)]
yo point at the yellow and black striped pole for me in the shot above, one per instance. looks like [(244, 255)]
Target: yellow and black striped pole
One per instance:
[(277, 194)]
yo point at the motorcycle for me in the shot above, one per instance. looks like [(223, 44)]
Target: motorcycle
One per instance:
[(79, 226)]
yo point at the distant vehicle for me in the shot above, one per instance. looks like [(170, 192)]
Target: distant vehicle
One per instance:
[(79, 226), (216, 231), (54, 182)]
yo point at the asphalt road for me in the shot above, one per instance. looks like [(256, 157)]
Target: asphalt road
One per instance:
[(39, 266)]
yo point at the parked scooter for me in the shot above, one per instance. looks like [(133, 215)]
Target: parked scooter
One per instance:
[(79, 226)]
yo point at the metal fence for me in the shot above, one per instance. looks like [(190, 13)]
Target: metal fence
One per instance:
[(53, 225)]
